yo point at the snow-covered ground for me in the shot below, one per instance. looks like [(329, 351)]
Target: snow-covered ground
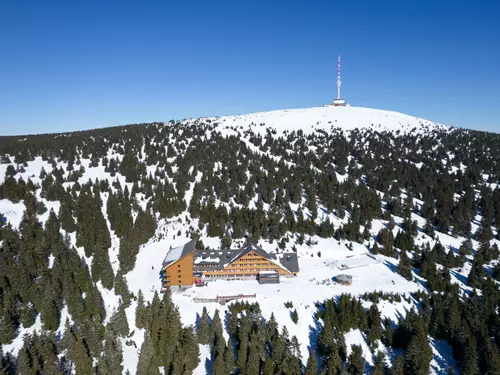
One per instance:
[(314, 282), (326, 118)]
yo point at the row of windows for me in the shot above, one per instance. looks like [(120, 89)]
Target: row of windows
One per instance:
[(250, 270), (221, 276), (249, 264)]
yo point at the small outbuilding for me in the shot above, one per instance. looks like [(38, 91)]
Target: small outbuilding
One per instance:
[(269, 277), (343, 279)]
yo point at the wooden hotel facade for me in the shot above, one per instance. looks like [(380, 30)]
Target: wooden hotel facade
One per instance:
[(185, 264)]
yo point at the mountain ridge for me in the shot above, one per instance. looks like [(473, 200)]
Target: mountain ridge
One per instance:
[(346, 118)]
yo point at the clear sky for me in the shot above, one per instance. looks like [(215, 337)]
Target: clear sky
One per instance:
[(70, 65)]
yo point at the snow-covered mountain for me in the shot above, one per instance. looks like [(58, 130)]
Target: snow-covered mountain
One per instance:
[(325, 118), (324, 182)]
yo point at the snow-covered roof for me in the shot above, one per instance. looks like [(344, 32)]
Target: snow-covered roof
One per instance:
[(268, 273), (344, 278), (179, 252), (286, 261)]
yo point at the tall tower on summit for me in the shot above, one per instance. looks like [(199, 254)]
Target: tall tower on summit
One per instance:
[(338, 101)]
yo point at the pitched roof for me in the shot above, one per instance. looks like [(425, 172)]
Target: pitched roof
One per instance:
[(220, 258), (179, 252), (249, 247), (290, 261)]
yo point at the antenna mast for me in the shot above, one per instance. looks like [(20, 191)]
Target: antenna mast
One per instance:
[(338, 101), (339, 82)]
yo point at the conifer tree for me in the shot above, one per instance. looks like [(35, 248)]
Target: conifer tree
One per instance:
[(216, 336), (66, 215), (81, 358), (204, 329), (312, 365), (355, 363), (118, 322), (404, 266), (268, 368), (418, 355), (140, 311), (398, 367), (219, 368), (146, 355), (470, 364), (187, 353), (379, 366), (111, 360), (8, 329), (229, 357), (121, 288), (252, 365)]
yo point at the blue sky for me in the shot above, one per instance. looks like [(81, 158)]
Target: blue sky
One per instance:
[(85, 64)]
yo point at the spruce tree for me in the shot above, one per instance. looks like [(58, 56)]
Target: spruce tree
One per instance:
[(418, 355), (219, 367), (146, 355), (140, 311), (268, 368), (81, 358), (118, 322), (229, 357), (404, 266), (470, 365), (355, 362), (111, 360), (8, 329), (204, 329), (398, 367), (252, 365), (312, 365), (121, 288), (379, 366), (216, 336)]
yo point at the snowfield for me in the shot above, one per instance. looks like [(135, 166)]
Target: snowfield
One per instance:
[(325, 118)]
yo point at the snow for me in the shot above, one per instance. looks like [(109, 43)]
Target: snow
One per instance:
[(355, 262), (12, 211), (51, 260), (207, 260), (146, 274), (131, 352), (443, 357), (205, 364), (355, 337), (267, 272), (17, 343), (325, 118), (303, 290), (174, 254), (314, 282)]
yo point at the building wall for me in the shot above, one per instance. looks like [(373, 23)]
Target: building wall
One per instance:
[(247, 266), (180, 272)]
